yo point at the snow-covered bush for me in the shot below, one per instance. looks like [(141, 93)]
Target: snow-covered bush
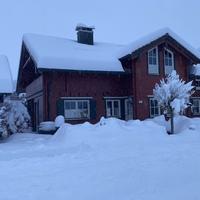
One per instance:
[(47, 126), (173, 95), (59, 121), (14, 117), (3, 120)]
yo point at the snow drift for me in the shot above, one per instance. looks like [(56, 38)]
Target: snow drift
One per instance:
[(112, 160)]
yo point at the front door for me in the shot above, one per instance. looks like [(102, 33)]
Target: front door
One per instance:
[(128, 109)]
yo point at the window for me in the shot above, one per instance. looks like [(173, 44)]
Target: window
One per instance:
[(196, 106), (76, 109), (168, 61), (113, 108), (197, 84), (153, 61), (154, 108)]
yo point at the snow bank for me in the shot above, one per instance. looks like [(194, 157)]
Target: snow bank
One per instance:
[(114, 131), (182, 124), (112, 159), (117, 132), (107, 130)]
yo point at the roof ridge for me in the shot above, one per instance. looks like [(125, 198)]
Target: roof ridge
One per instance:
[(69, 39), (147, 39)]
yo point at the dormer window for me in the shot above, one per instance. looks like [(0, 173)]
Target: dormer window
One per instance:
[(153, 61), (168, 61)]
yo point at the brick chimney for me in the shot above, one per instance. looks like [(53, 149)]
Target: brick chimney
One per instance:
[(85, 34)]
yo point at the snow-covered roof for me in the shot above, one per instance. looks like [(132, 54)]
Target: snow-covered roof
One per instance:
[(51, 52), (6, 81), (79, 25), (195, 70), (60, 53), (143, 41)]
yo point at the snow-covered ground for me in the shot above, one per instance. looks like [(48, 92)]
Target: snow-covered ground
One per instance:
[(112, 160)]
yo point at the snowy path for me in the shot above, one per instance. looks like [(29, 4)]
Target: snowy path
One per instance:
[(114, 162)]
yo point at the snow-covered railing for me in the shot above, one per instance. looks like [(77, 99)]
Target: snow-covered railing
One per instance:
[(195, 70)]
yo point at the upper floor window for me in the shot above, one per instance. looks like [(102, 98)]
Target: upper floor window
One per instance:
[(153, 67), (168, 61)]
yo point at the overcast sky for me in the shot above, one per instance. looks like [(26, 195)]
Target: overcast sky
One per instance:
[(116, 21)]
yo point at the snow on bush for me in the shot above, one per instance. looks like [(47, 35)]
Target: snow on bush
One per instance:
[(59, 121), (173, 95), (14, 117), (47, 126)]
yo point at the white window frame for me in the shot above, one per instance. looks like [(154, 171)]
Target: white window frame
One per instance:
[(76, 113), (112, 114), (153, 68), (193, 112), (150, 113), (168, 67)]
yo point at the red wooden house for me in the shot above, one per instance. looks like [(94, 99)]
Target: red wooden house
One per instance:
[(84, 80)]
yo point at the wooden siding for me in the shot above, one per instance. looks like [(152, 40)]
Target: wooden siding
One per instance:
[(93, 85), (34, 93), (35, 88), (143, 83)]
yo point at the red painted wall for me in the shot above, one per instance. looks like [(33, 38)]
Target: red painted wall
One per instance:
[(98, 86), (143, 83)]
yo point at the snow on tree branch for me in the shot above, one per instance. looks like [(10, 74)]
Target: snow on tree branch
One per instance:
[(173, 92), (14, 117)]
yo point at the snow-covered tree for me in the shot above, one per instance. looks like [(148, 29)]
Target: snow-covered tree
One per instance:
[(3, 120), (14, 117), (173, 94)]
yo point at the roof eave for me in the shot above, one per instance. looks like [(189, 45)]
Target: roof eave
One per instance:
[(136, 52), (42, 69), (126, 57)]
